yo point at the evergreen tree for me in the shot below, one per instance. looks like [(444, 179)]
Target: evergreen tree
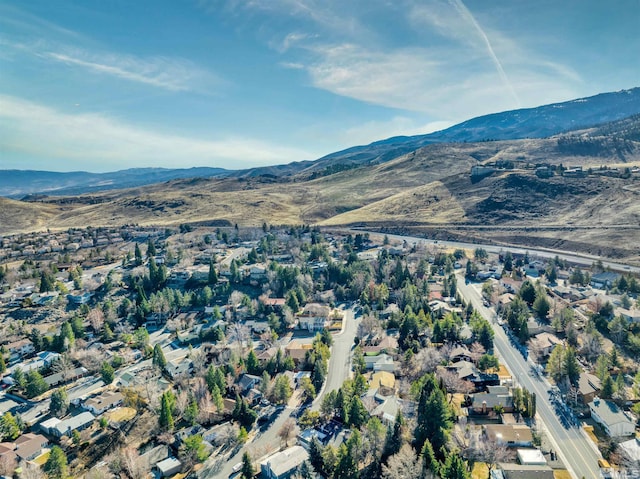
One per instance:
[(59, 402), (434, 416), (394, 440), (107, 373), (358, 415), (252, 363), (36, 385), (56, 465), (158, 357), (137, 255), (3, 364), (347, 467), (166, 411), (47, 282), (455, 468), (213, 274), (608, 387), (151, 248), (315, 455), (247, 471), (429, 462)]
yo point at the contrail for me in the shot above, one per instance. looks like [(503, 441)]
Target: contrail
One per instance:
[(466, 13)]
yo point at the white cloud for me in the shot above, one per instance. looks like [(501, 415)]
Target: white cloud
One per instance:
[(167, 73), (89, 139)]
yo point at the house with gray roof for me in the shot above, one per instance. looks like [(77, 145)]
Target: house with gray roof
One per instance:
[(615, 422), (283, 464)]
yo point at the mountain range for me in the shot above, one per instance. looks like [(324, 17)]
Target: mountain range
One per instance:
[(539, 122), (416, 184)]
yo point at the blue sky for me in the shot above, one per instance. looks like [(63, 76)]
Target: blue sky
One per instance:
[(112, 84)]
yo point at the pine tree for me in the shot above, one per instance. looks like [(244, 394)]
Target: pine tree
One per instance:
[(166, 411), (429, 461), (107, 373), (59, 402), (247, 471), (455, 468), (213, 275), (158, 357), (137, 255), (36, 385)]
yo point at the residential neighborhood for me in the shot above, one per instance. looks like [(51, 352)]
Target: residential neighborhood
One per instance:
[(218, 351)]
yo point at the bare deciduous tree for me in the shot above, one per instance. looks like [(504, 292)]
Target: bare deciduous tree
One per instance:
[(490, 452), (96, 319), (287, 431), (403, 465), (31, 471), (8, 464), (476, 351), (369, 326)]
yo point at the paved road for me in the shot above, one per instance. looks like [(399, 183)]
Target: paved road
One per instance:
[(262, 445), (574, 447), (571, 256), (340, 360)]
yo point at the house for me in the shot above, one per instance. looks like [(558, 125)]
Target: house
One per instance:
[(631, 315), (614, 421), (248, 382), (519, 471), (56, 379), (103, 402), (543, 343), (284, 464), (314, 317), (297, 351), (588, 387), (180, 366), (460, 353), (497, 396), (29, 446), (19, 349), (75, 423), (79, 299), (511, 435), (388, 410), (384, 382), (306, 437), (604, 280), (381, 362), (168, 467)]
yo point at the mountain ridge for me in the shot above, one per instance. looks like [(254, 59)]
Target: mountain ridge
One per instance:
[(537, 122)]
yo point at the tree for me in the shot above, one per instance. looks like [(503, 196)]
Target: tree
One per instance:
[(47, 281), (287, 431), (252, 363), (308, 389), (212, 278), (572, 368), (455, 468), (491, 453), (59, 402), (541, 306), (402, 465), (9, 427), (247, 471), (281, 389), (358, 415), (434, 416), (158, 357), (527, 292), (608, 387), (167, 403), (137, 255), (56, 465), (193, 450), (107, 373), (36, 385)]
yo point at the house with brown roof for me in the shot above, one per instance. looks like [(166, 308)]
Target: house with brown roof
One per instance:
[(297, 351), (103, 402), (510, 435), (589, 387)]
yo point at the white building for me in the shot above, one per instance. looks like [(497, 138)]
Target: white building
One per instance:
[(614, 421)]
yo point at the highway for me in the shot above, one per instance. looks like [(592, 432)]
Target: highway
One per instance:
[(572, 257), (571, 443)]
